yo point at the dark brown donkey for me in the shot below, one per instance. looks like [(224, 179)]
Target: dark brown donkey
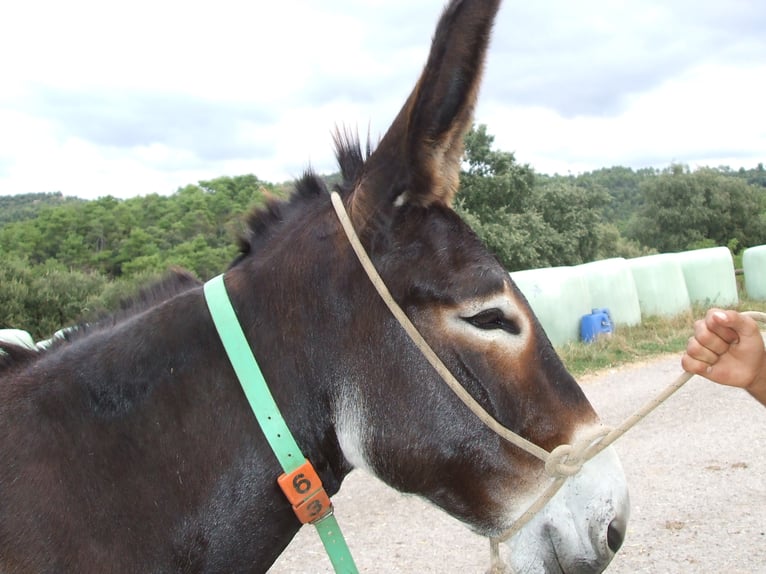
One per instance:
[(131, 448)]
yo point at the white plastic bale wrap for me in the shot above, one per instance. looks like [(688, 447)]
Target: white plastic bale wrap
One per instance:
[(710, 277), (754, 265), (660, 285), (559, 297), (611, 286), (17, 337)]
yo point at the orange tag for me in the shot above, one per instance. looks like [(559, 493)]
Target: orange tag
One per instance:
[(300, 483), (305, 493), (314, 507)]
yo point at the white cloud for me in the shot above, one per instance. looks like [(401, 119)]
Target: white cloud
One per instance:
[(703, 117), (129, 99)]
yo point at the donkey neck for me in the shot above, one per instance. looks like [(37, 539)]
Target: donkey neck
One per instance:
[(161, 419)]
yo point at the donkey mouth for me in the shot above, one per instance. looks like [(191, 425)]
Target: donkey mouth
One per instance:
[(548, 561), (581, 528)]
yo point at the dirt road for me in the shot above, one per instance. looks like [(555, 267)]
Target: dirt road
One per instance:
[(696, 470)]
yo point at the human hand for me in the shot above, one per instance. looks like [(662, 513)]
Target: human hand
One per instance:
[(727, 348)]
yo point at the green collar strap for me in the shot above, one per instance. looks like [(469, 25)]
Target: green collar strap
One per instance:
[(299, 482)]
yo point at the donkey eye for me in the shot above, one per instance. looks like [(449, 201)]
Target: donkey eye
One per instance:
[(491, 319)]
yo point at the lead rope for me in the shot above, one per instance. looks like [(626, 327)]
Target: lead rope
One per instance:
[(609, 437), (563, 461)]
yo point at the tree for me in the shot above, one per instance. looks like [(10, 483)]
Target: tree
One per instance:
[(28, 205), (685, 210), (574, 215), (493, 180), (527, 222), (44, 298), (55, 260)]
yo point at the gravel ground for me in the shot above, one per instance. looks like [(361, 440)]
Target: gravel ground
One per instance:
[(696, 468)]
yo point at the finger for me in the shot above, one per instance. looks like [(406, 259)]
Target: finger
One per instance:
[(718, 340), (717, 372), (695, 366), (730, 326), (730, 323), (701, 353)]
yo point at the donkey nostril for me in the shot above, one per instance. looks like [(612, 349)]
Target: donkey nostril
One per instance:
[(615, 534)]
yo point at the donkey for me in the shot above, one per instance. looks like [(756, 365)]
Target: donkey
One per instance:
[(130, 448)]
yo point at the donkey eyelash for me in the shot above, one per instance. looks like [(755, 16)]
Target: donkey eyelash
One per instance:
[(493, 319)]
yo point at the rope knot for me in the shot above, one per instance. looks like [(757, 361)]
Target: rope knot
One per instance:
[(567, 460)]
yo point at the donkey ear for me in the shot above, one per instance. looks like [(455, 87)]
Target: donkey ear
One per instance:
[(418, 159)]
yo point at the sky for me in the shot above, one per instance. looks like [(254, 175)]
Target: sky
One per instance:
[(101, 98)]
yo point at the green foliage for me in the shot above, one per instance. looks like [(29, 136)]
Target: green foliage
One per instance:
[(526, 222), (687, 210), (44, 298), (193, 228), (28, 205), (58, 257), (531, 220), (62, 258), (756, 176), (621, 184)]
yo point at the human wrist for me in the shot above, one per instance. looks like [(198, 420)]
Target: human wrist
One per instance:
[(758, 387)]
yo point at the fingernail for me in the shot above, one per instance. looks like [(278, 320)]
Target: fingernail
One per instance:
[(720, 315)]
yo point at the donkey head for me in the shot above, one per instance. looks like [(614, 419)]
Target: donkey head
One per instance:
[(395, 417)]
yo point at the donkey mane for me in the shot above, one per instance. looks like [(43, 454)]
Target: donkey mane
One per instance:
[(351, 158), (261, 222), (175, 281)]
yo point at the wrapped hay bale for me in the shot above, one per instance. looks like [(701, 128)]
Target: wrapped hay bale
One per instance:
[(660, 285), (611, 286), (754, 264), (559, 297)]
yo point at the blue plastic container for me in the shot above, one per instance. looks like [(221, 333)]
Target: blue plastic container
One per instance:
[(598, 323)]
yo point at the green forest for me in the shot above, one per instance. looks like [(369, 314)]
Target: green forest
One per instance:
[(63, 259)]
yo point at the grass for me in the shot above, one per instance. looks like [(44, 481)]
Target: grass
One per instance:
[(653, 337)]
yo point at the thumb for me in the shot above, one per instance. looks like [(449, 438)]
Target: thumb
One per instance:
[(732, 326)]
